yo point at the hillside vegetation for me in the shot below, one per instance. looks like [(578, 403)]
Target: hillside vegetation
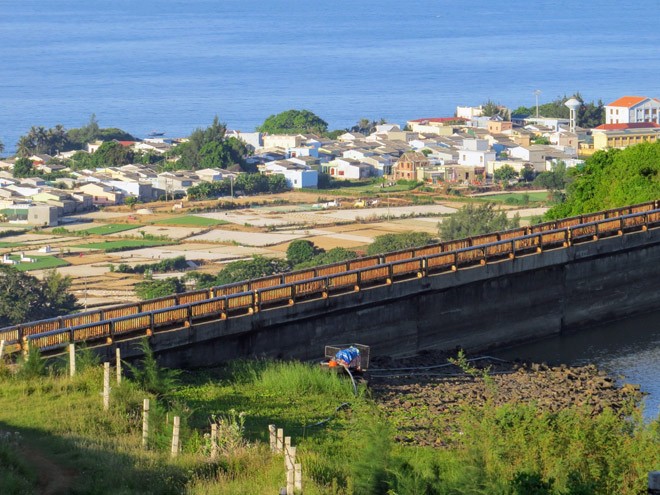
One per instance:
[(611, 179), (53, 431)]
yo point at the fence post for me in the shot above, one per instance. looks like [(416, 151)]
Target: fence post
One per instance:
[(214, 440), (289, 482), (106, 386), (175, 436), (280, 440), (297, 477), (290, 458), (118, 365), (72, 359), (145, 422), (272, 432), (2, 348)]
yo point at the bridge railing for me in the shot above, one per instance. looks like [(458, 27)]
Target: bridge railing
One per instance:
[(248, 297)]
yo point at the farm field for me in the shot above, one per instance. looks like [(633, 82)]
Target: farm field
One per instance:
[(123, 244), (112, 228), (192, 220), (40, 263)]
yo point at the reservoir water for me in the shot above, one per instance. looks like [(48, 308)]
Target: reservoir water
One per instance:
[(170, 65), (628, 349)]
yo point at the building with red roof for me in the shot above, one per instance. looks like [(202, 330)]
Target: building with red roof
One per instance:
[(632, 110)]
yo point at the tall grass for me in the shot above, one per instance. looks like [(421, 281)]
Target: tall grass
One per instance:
[(352, 450)]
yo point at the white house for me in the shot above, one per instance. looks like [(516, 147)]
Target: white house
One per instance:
[(347, 168), (632, 110), (297, 175)]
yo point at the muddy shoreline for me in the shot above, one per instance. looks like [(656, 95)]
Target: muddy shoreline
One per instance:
[(425, 392)]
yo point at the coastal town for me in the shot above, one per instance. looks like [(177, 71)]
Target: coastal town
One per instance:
[(466, 149)]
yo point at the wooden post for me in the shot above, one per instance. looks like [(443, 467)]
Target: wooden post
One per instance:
[(287, 444), (175, 436), (290, 458), (297, 477), (106, 386), (214, 440), (2, 348), (118, 365), (280, 440), (72, 359), (272, 433), (145, 422), (289, 482)]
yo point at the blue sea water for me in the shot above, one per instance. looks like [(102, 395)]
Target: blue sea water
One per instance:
[(171, 65)]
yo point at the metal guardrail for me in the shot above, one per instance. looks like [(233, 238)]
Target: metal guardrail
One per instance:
[(248, 297)]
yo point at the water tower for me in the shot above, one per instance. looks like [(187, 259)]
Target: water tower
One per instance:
[(573, 105)]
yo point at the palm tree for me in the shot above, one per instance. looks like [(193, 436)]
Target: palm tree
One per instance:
[(24, 147)]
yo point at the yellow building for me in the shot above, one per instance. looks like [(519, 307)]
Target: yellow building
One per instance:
[(623, 135)]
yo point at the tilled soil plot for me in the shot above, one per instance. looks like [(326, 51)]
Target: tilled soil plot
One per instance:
[(421, 395)]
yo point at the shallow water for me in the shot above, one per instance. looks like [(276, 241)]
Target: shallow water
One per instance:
[(628, 349)]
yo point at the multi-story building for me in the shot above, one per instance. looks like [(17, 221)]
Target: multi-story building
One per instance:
[(633, 110)]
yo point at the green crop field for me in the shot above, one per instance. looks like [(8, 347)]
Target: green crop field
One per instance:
[(515, 198), (9, 244), (191, 220), (41, 263), (111, 228), (123, 244)]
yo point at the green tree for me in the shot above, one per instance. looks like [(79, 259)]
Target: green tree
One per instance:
[(294, 122), (25, 298), (394, 242), (211, 148), (505, 173), (277, 184), (554, 180), (300, 251), (257, 267), (112, 154), (2, 147), (152, 289), (611, 179), (334, 255), (492, 109), (474, 220), (23, 168)]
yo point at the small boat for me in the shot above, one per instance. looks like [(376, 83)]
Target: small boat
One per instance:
[(155, 134)]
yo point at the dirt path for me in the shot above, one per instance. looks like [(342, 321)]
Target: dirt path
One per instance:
[(53, 478)]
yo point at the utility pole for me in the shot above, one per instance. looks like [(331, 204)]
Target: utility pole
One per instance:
[(537, 92)]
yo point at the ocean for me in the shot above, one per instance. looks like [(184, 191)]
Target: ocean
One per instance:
[(171, 65)]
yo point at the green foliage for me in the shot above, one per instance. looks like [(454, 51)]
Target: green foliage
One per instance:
[(611, 179), (150, 376), (294, 122), (78, 138), (541, 140), (25, 298), (395, 242), (300, 251), (491, 109), (474, 220), (23, 168), (211, 148), (167, 265), (31, 366), (257, 267), (246, 183), (40, 140), (371, 466), (152, 289), (531, 484), (334, 255), (589, 115), (554, 180), (505, 173), (112, 154)]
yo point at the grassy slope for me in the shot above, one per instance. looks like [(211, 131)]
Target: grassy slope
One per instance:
[(353, 453)]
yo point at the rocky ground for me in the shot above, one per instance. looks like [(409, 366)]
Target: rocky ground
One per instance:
[(422, 394)]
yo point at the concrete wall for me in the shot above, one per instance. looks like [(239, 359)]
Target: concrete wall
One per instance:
[(530, 297)]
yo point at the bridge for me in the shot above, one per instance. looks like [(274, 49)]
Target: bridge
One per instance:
[(498, 288)]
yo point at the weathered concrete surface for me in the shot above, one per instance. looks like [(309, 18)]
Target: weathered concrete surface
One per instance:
[(530, 297)]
